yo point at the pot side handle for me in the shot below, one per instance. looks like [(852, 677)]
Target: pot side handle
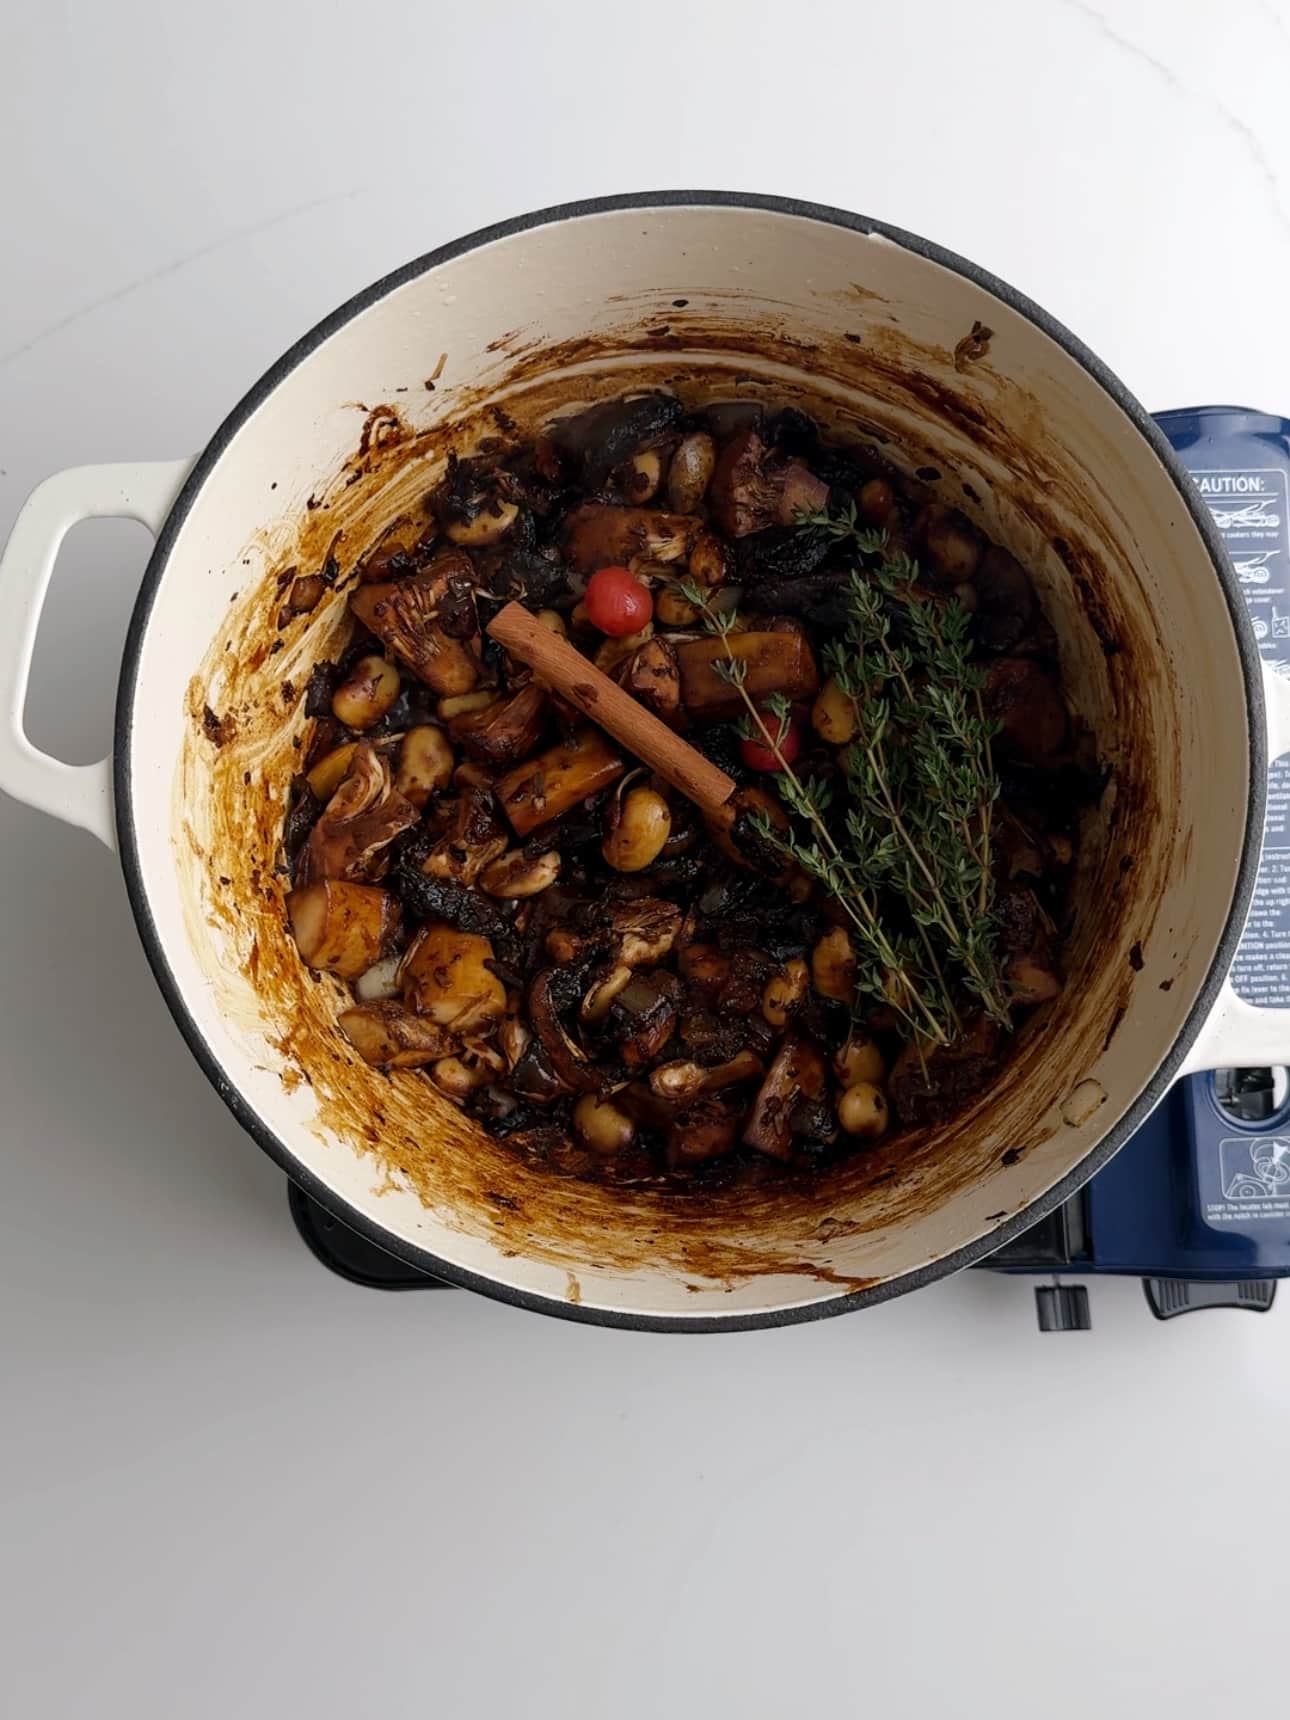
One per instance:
[(1240, 1035), (143, 491)]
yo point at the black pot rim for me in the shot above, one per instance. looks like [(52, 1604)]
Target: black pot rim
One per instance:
[(970, 1252)]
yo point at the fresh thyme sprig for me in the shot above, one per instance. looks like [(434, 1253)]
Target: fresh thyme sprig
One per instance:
[(920, 769), (841, 527), (910, 846), (883, 969)]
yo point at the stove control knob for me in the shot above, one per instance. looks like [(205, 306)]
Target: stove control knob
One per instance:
[(1062, 1308)]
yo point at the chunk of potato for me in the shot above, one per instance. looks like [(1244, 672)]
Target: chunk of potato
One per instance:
[(404, 615), (341, 928), (445, 977), (389, 1036)]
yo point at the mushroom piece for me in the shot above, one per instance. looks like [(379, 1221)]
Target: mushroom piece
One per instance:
[(929, 1084), (652, 677), (682, 1081), (599, 534), (785, 992), (639, 933), (951, 544), (1027, 939), (595, 1005), (691, 471), (612, 653), (367, 693), (428, 621), (708, 1129), (1025, 699), (876, 501), (642, 825), (640, 477), (705, 968), (833, 965), (859, 1058), (1008, 616), (753, 487), (505, 730), (672, 610), (709, 561), (494, 519), (473, 839), (341, 928), (602, 1126), (425, 764), (569, 1061), (833, 715), (863, 1110), (446, 975), (462, 704), (798, 1070), (516, 875), (359, 822), (773, 662), (471, 503), (465, 1072), (646, 929), (389, 1036), (536, 792)]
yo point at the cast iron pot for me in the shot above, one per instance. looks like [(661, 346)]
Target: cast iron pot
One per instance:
[(889, 337)]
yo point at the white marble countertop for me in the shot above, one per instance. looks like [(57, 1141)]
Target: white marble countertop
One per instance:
[(231, 1485)]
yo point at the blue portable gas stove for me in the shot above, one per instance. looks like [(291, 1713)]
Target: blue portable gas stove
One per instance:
[(1197, 1204)]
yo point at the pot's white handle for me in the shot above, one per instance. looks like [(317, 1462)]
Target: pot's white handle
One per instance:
[(1240, 1035), (144, 491)]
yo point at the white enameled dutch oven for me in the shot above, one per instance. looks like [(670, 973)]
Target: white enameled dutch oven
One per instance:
[(1004, 412)]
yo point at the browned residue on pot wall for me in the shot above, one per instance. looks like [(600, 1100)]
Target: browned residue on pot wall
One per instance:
[(990, 442)]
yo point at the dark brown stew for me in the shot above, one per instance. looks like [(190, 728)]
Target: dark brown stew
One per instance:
[(552, 937)]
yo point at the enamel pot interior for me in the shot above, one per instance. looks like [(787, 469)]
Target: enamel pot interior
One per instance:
[(729, 298)]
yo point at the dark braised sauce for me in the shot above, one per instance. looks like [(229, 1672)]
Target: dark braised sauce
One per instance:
[(553, 937)]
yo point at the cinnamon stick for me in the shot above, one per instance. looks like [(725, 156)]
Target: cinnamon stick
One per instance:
[(566, 671)]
